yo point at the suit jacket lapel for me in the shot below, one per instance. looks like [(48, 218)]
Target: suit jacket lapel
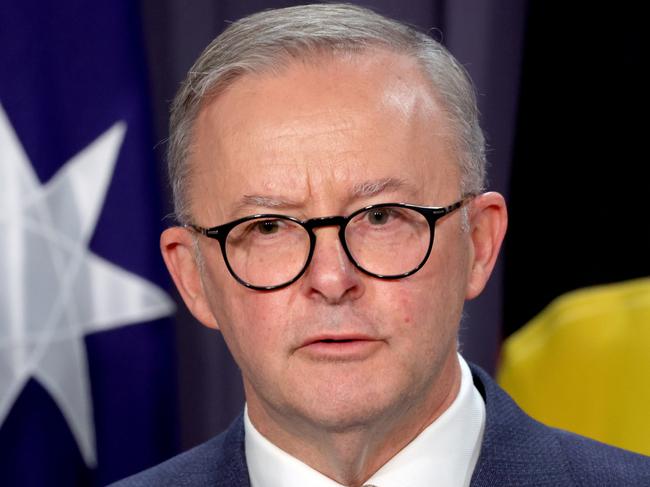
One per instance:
[(231, 462)]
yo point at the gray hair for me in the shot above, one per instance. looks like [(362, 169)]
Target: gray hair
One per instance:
[(269, 40)]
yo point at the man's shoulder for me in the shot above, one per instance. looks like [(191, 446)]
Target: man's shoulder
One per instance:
[(517, 450), (193, 467), (219, 461), (595, 463)]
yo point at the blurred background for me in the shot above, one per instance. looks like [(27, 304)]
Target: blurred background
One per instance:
[(102, 370)]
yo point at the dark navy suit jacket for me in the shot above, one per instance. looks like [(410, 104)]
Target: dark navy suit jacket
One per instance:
[(516, 451)]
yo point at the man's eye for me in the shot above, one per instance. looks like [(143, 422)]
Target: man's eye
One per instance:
[(268, 227), (379, 217)]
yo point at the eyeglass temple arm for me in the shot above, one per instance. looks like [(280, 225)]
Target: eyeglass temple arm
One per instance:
[(196, 228), (458, 204)]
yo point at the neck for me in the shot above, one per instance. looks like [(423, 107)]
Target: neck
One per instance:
[(352, 455)]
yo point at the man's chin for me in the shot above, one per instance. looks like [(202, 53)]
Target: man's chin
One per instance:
[(345, 414)]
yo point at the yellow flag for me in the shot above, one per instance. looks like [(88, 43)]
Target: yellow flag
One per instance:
[(583, 364)]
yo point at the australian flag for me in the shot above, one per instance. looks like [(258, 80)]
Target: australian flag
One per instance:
[(87, 373)]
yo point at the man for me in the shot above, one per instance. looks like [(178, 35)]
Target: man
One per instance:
[(314, 153)]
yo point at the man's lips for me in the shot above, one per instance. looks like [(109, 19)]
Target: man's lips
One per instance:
[(348, 346), (337, 338)]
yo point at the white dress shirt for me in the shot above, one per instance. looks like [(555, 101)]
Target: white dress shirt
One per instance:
[(444, 454)]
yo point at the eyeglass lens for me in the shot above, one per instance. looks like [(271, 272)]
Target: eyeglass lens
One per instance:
[(388, 241), (267, 251)]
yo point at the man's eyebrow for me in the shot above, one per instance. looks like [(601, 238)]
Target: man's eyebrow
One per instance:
[(248, 201), (376, 186)]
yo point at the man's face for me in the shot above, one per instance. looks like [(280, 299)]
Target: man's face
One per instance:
[(336, 349)]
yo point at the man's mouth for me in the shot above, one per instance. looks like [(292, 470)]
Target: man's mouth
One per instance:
[(340, 347), (333, 340)]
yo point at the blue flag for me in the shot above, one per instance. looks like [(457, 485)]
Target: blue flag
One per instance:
[(87, 373)]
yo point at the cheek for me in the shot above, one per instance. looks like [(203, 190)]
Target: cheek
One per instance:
[(252, 326), (429, 305), (407, 307), (449, 273), (415, 317)]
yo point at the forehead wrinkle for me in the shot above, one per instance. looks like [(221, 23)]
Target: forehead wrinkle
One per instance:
[(306, 127)]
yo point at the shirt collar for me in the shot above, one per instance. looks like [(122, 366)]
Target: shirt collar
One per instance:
[(443, 454)]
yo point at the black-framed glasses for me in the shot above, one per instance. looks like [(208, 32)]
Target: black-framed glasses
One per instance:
[(387, 241)]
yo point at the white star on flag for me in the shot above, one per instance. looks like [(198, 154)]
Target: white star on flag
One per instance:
[(53, 289)]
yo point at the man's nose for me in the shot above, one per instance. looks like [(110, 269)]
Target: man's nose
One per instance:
[(331, 275)]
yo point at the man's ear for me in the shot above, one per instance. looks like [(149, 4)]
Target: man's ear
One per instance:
[(488, 223), (177, 247)]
